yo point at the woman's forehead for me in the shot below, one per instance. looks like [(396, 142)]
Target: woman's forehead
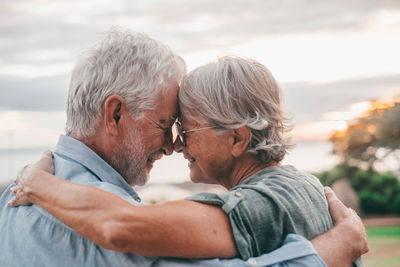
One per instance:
[(190, 119)]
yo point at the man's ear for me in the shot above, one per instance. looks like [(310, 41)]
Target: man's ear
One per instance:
[(114, 107), (240, 140)]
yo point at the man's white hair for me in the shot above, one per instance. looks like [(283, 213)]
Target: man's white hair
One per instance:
[(235, 92), (124, 63)]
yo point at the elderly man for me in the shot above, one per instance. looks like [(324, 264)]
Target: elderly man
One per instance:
[(121, 106)]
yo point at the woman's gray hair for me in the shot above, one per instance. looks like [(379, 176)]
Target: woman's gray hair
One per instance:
[(124, 63), (234, 92)]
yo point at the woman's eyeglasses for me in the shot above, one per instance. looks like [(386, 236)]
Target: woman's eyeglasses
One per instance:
[(182, 133)]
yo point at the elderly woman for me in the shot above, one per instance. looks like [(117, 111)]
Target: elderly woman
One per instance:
[(231, 130)]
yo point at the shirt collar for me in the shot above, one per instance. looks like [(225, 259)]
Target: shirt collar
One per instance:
[(79, 152)]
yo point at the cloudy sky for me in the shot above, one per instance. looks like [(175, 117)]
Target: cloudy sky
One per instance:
[(330, 57)]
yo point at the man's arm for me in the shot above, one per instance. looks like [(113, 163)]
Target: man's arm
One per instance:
[(347, 240)]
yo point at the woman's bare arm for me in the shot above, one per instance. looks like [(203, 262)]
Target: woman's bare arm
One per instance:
[(179, 229)]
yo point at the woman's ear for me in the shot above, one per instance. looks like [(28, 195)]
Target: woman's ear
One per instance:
[(114, 107), (241, 139)]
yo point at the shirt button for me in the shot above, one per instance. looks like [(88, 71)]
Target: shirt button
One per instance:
[(252, 262), (238, 194)]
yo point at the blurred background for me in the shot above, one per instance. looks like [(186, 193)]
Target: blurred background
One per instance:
[(338, 64)]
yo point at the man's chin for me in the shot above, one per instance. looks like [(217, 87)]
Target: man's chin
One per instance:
[(141, 179), (149, 166), (150, 163), (144, 175), (137, 174)]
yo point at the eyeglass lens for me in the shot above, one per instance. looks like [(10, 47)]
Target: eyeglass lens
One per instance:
[(181, 135)]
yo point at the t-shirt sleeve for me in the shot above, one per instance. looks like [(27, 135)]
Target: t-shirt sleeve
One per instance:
[(255, 220)]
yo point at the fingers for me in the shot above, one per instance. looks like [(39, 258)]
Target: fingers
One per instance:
[(19, 198), (350, 221), (15, 190), (21, 176), (18, 179), (337, 209), (12, 202), (45, 163)]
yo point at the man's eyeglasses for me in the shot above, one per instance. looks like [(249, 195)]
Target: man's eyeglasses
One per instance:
[(182, 133), (166, 130)]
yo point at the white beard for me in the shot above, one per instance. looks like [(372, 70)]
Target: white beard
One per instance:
[(130, 160)]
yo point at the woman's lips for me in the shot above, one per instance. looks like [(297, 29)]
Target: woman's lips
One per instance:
[(189, 158)]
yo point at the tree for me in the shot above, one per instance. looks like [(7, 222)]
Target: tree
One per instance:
[(371, 138), (368, 140)]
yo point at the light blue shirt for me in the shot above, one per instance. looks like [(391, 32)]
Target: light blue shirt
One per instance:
[(29, 236)]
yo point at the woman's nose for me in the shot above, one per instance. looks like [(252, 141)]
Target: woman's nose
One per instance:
[(178, 146), (168, 146)]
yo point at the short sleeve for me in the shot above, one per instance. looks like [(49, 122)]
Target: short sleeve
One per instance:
[(207, 198), (254, 218)]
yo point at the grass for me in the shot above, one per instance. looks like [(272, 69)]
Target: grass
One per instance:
[(393, 231), (384, 247), (384, 262)]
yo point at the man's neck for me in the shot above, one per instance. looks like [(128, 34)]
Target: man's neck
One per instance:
[(95, 143), (102, 147)]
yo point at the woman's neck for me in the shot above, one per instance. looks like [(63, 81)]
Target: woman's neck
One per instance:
[(243, 169)]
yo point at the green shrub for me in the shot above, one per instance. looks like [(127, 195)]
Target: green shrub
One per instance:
[(396, 205), (379, 193), (372, 202)]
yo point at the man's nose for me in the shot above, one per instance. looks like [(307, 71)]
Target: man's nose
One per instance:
[(178, 146), (168, 146)]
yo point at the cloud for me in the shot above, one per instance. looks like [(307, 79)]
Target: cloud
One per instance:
[(51, 33), (308, 101), (28, 26), (37, 94), (318, 57), (40, 40)]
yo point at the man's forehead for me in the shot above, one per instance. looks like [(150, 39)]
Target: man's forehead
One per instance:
[(171, 120)]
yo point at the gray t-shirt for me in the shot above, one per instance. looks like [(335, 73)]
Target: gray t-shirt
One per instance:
[(270, 204)]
